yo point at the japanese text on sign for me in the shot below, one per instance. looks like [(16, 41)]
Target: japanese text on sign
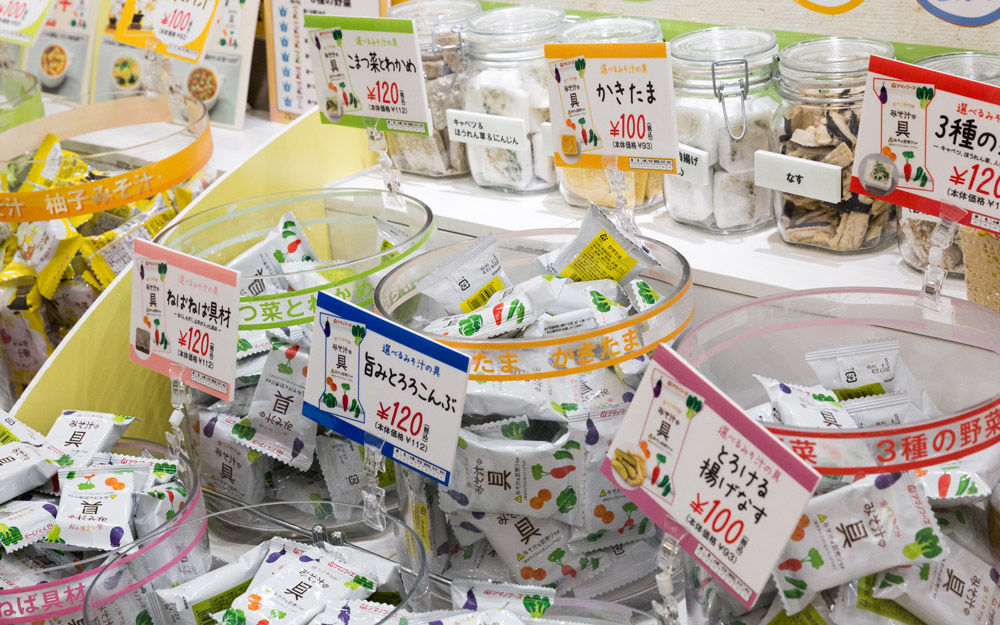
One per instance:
[(179, 28), (613, 99), (184, 317), (368, 67), (20, 20), (373, 377), (711, 476), (928, 138)]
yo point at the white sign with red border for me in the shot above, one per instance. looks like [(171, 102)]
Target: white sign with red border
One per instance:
[(927, 139)]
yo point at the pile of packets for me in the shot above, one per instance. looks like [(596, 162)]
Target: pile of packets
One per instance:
[(281, 581), (258, 447), (54, 270), (527, 502), (68, 498), (896, 548)]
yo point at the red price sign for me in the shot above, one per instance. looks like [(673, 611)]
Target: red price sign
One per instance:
[(14, 10), (629, 126), (385, 92), (403, 418), (196, 341), (176, 20), (719, 519)]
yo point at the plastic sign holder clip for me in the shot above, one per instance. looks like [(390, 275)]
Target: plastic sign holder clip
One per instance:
[(618, 185), (942, 238), (373, 495), (390, 174)]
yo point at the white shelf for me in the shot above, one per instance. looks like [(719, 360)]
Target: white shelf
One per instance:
[(753, 265)]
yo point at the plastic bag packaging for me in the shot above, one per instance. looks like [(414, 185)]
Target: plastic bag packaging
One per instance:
[(419, 509), (609, 518), (532, 478), (468, 280), (24, 466), (342, 467), (82, 434), (358, 612), (96, 506), (480, 561), (882, 410), (225, 465), (535, 548), (12, 430), (191, 602), (24, 523), (599, 251), (302, 589), (875, 523), (869, 368), (816, 613), (506, 311), (962, 481), (958, 589), (856, 605), (584, 294), (529, 601), (156, 506), (806, 407), (278, 428), (291, 485), (600, 572), (967, 526), (161, 470)]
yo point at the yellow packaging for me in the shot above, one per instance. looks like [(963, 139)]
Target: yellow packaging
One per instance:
[(23, 334), (47, 247), (111, 252), (45, 169)]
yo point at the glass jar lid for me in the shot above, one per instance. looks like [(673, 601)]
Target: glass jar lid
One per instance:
[(433, 18), (981, 66), (513, 28), (702, 47), (612, 30), (831, 56)]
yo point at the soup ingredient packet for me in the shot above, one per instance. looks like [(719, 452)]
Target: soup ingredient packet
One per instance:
[(96, 506)]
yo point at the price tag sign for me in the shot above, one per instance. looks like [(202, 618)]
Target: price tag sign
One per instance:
[(371, 377), (613, 99), (709, 475), (20, 20), (368, 67), (184, 318), (179, 27), (927, 139)]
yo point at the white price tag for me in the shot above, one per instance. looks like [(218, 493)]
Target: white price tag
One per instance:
[(491, 131), (368, 67), (369, 376), (185, 312), (693, 167), (788, 174), (709, 475), (178, 23)]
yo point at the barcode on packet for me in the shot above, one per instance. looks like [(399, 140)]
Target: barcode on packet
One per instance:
[(6, 436), (480, 298)]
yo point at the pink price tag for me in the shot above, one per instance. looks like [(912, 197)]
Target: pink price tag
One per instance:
[(709, 475), (185, 313)]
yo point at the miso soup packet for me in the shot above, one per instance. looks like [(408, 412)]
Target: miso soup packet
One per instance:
[(24, 523), (276, 425), (161, 470), (875, 523), (82, 434), (225, 465), (96, 506), (24, 466), (467, 280)]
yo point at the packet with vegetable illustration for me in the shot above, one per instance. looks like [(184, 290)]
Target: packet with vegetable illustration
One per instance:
[(96, 506), (280, 430), (930, 590), (467, 281), (530, 601), (226, 465), (873, 524), (83, 433), (24, 523)]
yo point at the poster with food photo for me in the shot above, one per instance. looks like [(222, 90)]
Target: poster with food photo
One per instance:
[(60, 56), (220, 78)]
